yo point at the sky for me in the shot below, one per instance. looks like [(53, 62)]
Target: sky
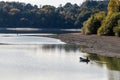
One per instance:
[(48, 2)]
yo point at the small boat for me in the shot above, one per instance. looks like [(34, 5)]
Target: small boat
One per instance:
[(84, 60)]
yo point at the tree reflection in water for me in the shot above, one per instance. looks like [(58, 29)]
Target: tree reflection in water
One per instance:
[(67, 48), (112, 64)]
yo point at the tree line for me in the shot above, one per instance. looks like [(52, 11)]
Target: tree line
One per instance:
[(16, 14)]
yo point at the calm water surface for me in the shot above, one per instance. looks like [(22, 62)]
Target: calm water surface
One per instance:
[(53, 61)]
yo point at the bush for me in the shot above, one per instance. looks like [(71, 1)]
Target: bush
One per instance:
[(113, 6), (108, 24), (86, 26), (117, 31), (93, 23)]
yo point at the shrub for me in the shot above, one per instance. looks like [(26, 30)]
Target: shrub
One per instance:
[(117, 31), (108, 23), (93, 23), (113, 6)]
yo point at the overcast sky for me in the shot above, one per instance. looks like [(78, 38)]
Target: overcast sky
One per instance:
[(49, 2)]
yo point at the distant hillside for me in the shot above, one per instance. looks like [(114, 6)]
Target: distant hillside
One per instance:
[(15, 14)]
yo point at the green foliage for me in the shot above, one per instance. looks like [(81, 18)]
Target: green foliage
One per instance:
[(111, 24), (93, 23), (113, 6), (89, 8), (15, 14), (108, 24), (117, 31)]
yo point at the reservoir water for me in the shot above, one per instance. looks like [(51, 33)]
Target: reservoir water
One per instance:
[(41, 58)]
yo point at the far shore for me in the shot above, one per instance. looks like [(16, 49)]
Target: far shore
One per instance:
[(108, 46), (38, 30)]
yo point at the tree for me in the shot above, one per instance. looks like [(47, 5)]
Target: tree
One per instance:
[(116, 29), (113, 6), (93, 23), (14, 11), (16, 14), (89, 8), (108, 24)]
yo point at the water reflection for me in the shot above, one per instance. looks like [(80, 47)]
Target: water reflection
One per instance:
[(54, 62), (112, 64), (67, 48)]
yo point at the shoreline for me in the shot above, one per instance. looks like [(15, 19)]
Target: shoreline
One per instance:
[(108, 46)]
